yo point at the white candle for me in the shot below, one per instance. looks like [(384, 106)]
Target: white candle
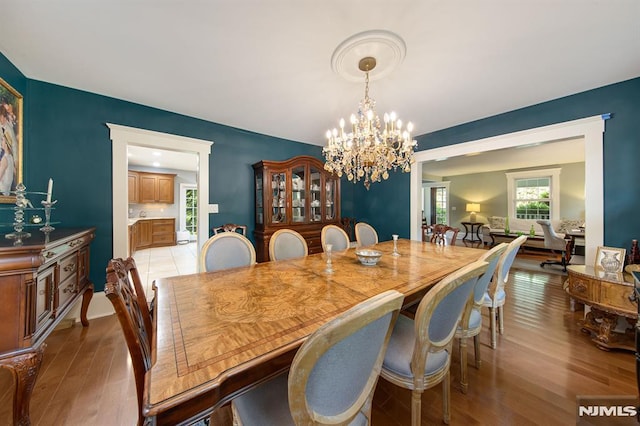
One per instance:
[(49, 190)]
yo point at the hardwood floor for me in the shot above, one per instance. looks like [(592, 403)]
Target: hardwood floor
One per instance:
[(542, 362)]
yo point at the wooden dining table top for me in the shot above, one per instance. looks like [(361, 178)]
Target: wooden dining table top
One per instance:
[(219, 333)]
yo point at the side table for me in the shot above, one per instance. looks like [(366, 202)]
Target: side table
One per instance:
[(471, 228)]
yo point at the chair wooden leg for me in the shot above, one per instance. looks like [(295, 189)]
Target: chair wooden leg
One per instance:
[(464, 385), (446, 398), (476, 346), (501, 319), (416, 407), (492, 316)]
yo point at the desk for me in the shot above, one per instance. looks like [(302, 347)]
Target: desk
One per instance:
[(469, 230), (220, 333), (607, 294)]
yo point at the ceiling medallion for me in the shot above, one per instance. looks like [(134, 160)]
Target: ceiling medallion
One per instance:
[(369, 149)]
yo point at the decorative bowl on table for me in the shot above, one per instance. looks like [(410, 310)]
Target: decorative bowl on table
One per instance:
[(368, 257)]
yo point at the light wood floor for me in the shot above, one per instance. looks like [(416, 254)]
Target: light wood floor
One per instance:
[(541, 364)]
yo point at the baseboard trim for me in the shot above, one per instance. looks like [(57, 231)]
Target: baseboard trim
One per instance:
[(99, 307)]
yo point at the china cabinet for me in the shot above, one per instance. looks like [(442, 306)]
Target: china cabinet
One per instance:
[(297, 194)]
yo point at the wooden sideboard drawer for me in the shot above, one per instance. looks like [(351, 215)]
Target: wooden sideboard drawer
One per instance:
[(163, 238), (617, 296), (66, 290), (68, 267), (583, 287), (163, 228)]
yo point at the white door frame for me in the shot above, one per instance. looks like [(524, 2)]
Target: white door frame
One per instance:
[(591, 129), (122, 136)]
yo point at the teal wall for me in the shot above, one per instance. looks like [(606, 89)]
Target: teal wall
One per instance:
[(66, 138), (621, 155)]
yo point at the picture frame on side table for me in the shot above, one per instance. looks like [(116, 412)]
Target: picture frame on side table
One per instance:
[(11, 106), (609, 259)]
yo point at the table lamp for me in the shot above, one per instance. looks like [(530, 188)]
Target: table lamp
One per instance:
[(473, 208)]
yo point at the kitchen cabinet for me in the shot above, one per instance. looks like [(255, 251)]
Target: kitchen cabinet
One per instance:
[(155, 187), (40, 282), (134, 186), (296, 194), (145, 233)]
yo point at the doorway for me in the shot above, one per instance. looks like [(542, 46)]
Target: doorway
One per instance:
[(590, 129), (121, 137)]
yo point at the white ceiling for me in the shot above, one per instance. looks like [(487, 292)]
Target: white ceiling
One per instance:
[(265, 66), (537, 155), (161, 159)]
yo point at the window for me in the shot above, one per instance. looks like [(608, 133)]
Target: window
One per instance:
[(189, 209), (534, 194), (435, 202)]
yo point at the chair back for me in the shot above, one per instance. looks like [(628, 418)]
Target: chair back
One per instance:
[(492, 257), (334, 373), (226, 250), (438, 315), (439, 234), (501, 276), (287, 244), (131, 315), (551, 239), (230, 227), (366, 235), (334, 235)]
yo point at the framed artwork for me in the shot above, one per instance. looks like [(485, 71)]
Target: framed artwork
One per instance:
[(609, 259), (10, 141)]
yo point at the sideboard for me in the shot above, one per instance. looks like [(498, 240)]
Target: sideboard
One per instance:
[(609, 296), (41, 279)]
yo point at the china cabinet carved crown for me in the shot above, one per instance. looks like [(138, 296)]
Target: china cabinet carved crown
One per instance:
[(296, 194)]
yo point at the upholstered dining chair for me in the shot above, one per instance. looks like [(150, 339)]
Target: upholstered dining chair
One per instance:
[(471, 320), (419, 353), (495, 297), (442, 234), (230, 227), (132, 312), (333, 374), (226, 250), (334, 235), (554, 242), (287, 244), (366, 235)]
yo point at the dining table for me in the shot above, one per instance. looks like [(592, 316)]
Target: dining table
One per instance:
[(219, 334)]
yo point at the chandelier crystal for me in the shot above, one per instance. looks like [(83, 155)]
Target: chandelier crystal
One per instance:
[(371, 148)]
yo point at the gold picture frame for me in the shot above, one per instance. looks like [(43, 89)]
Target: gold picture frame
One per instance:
[(10, 141), (613, 252)]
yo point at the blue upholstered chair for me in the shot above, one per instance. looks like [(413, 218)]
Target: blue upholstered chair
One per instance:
[(366, 235), (419, 353), (333, 375), (495, 297), (334, 235), (287, 244), (471, 320), (226, 250)]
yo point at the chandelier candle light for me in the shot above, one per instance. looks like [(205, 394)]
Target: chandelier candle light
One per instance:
[(369, 150)]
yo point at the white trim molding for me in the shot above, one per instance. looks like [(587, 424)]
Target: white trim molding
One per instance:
[(591, 129), (122, 136)]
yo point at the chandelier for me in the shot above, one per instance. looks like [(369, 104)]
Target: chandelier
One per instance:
[(371, 148)]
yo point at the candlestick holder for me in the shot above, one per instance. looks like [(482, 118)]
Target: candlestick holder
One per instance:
[(47, 215), (18, 216), (395, 246), (327, 251)]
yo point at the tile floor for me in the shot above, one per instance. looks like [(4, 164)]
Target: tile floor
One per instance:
[(160, 262)]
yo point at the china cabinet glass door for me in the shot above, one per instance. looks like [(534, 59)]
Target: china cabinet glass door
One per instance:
[(330, 196), (315, 199), (278, 192), (298, 194), (259, 200)]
